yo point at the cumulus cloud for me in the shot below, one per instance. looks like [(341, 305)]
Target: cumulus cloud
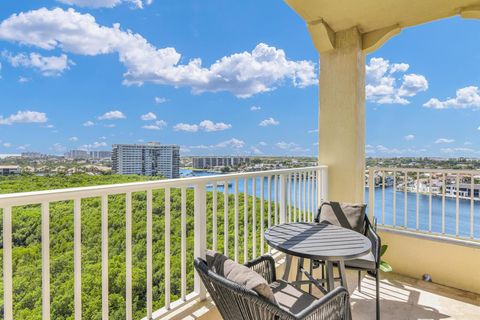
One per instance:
[(291, 147), (409, 137), (370, 149), (47, 66), (158, 125), (269, 122), (255, 108), (73, 139), (94, 145), (444, 141), (106, 3), (205, 125), (232, 143), (458, 149), (381, 82), (112, 115), (242, 74), (88, 123), (160, 100), (24, 117), (255, 150), (6, 144), (468, 97), (148, 116)]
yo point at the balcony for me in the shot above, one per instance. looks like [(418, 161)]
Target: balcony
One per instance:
[(165, 223)]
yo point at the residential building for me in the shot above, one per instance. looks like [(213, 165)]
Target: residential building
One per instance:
[(215, 161), (99, 155), (151, 159), (9, 170), (32, 155)]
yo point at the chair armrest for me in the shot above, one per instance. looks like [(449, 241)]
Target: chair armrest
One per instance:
[(371, 234), (335, 305), (265, 266)]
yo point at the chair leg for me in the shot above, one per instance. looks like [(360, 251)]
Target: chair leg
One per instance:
[(359, 280), (377, 284)]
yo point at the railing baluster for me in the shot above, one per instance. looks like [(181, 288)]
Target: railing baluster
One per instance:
[(275, 197), (384, 173), (430, 202), (417, 203), (149, 225), (225, 218), (235, 239), (371, 193), (269, 193), (7, 264), (444, 179), (77, 257), (214, 217), (167, 248), (304, 197), (394, 198), (254, 217), (289, 197), (307, 196), (295, 197), (312, 194), (128, 256), (45, 260), (472, 207), (262, 214), (457, 205), (183, 219), (245, 220), (405, 202), (105, 257), (200, 234)]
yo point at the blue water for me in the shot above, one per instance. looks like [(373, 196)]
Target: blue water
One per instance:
[(388, 216)]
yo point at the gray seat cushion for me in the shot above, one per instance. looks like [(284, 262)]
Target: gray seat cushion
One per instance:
[(364, 262), (240, 274), (290, 298), (346, 215)]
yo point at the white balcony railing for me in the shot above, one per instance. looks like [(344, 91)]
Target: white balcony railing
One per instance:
[(269, 197), (429, 201)]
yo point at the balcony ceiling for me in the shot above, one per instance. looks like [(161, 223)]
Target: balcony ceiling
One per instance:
[(371, 15)]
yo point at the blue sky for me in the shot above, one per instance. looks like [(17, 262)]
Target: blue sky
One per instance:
[(220, 77)]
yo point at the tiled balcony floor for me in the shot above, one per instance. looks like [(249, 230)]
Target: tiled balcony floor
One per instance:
[(401, 298)]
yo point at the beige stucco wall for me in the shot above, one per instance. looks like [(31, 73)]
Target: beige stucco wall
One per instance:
[(450, 264)]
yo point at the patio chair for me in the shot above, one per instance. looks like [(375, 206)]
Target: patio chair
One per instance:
[(237, 302), (353, 216)]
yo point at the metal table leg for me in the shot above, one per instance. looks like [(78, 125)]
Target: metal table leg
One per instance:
[(330, 279), (288, 265), (343, 275)]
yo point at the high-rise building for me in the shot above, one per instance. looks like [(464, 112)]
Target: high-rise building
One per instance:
[(151, 159), (77, 154), (215, 161), (32, 155), (98, 155)]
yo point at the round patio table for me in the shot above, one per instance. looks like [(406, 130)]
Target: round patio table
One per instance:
[(318, 241)]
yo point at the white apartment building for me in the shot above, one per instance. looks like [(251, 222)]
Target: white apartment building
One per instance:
[(151, 159), (9, 170)]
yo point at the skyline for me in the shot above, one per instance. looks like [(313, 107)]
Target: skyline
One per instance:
[(73, 78)]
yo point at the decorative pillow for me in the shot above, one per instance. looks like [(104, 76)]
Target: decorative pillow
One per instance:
[(229, 269), (347, 215)]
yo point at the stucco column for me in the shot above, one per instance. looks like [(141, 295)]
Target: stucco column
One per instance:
[(342, 117)]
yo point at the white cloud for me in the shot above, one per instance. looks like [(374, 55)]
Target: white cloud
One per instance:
[(160, 100), (7, 144), (313, 131), (58, 148), (232, 143), (24, 117), (94, 145), (73, 139), (23, 147), (205, 125), (381, 84), (291, 147), (255, 150), (468, 97), (444, 141), (111, 125), (23, 79), (458, 149), (88, 124), (159, 124), (186, 127), (255, 108), (148, 116), (105, 3), (468, 143), (48, 66), (262, 143), (269, 122), (112, 115), (409, 137), (210, 126), (242, 74)]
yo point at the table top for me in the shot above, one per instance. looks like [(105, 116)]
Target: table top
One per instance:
[(319, 241)]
